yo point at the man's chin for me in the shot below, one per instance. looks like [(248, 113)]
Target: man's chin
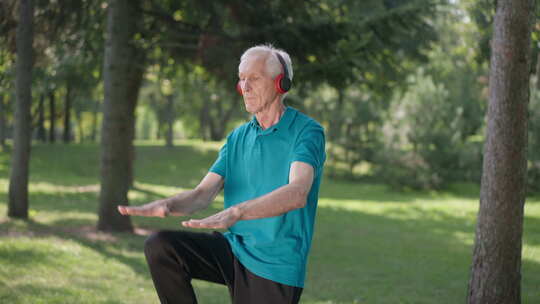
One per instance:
[(250, 109)]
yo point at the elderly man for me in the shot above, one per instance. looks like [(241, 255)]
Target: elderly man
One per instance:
[(270, 169)]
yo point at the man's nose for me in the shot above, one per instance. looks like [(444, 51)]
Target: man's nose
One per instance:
[(246, 86)]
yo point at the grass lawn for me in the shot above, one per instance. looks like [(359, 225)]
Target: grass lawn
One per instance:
[(371, 244)]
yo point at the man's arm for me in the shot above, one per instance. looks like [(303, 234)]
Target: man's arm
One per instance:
[(284, 199), (185, 203)]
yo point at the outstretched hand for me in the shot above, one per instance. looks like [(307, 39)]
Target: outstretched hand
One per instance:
[(144, 210), (221, 220)]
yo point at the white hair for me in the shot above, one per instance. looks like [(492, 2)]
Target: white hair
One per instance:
[(268, 51)]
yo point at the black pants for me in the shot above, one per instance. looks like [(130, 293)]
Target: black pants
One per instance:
[(176, 257)]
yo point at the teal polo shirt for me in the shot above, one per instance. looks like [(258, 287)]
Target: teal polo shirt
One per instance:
[(254, 162)]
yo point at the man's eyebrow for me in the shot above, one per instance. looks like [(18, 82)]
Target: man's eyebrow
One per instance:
[(247, 74)]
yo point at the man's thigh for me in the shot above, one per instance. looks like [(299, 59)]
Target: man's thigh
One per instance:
[(204, 256), (250, 288)]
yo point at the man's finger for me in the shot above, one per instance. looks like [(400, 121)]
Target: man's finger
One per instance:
[(123, 210), (187, 223), (199, 224), (126, 210), (192, 223)]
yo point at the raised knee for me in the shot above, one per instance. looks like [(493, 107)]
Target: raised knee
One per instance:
[(156, 244)]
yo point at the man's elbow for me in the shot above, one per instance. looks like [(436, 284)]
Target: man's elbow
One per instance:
[(301, 203), (302, 196)]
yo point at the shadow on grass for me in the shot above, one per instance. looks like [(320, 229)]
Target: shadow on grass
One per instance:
[(23, 257), (531, 227), (82, 229), (82, 232)]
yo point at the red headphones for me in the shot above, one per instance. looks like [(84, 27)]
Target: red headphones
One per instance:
[(282, 81)]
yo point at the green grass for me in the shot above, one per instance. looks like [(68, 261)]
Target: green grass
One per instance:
[(371, 244)]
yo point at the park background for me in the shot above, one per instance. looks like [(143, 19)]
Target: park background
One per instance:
[(401, 88)]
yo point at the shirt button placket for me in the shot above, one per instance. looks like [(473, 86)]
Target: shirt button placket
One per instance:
[(257, 147)]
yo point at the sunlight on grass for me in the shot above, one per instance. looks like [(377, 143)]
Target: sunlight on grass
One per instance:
[(44, 187), (141, 189), (464, 237), (532, 208), (531, 253), (409, 211), (4, 183)]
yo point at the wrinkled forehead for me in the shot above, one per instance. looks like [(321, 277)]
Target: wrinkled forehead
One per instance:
[(252, 65)]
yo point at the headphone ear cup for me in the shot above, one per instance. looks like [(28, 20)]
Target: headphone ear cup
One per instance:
[(239, 89), (282, 84), (285, 84)]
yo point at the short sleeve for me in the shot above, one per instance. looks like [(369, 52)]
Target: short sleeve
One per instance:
[(309, 147), (220, 165)]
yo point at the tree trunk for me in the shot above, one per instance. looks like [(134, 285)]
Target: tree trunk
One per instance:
[(93, 136), (214, 122), (52, 113), (117, 134), (538, 72), (218, 124), (3, 110), (18, 183), (67, 114), (135, 79), (78, 119), (41, 132), (216, 130), (204, 120), (225, 119), (496, 266), (170, 122)]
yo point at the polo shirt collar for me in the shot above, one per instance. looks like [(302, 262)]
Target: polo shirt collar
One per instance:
[(283, 123)]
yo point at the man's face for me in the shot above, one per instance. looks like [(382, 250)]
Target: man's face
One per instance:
[(257, 87)]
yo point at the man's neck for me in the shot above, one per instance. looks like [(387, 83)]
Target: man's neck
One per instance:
[(271, 115)]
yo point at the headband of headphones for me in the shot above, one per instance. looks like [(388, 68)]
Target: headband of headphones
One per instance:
[(282, 81)]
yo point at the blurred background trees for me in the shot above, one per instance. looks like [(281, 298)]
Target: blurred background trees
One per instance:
[(400, 86)]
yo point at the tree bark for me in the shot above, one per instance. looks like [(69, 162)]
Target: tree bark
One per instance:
[(117, 126), (41, 132), (3, 110), (18, 183), (496, 266), (67, 114), (135, 79), (52, 117), (538, 72)]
